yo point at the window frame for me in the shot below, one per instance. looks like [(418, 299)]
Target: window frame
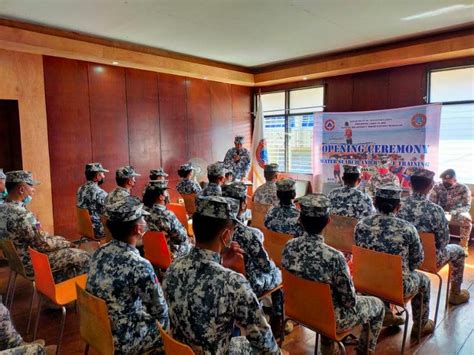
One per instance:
[(428, 85)]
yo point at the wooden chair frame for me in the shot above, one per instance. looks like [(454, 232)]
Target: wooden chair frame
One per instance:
[(274, 243), (339, 234), (259, 211)]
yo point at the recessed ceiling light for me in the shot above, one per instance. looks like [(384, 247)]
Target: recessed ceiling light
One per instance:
[(205, 78), (115, 63), (305, 78), (437, 12)]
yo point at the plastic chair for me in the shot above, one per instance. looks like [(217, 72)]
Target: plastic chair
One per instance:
[(189, 203), (156, 249), (16, 268), (274, 243), (60, 294), (108, 235), (309, 303), (172, 346), (340, 233), (380, 274), (94, 323), (430, 265), (259, 211), (84, 224), (180, 212)]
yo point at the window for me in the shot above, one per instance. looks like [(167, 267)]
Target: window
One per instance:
[(455, 89), (288, 127)]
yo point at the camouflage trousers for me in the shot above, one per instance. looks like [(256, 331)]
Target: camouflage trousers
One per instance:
[(369, 312), (454, 254), (465, 225), (98, 227), (9, 337), (27, 349), (417, 283), (239, 346), (69, 262)]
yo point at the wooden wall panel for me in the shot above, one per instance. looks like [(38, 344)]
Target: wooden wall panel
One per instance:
[(370, 91), (221, 119), (407, 86), (242, 121), (143, 124), (338, 94), (10, 136), (108, 112), (69, 135)]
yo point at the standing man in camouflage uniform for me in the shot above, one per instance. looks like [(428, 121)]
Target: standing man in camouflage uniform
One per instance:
[(385, 233), (3, 190), (310, 258), (285, 217), (186, 185), (21, 227), (163, 220), (382, 177), (267, 193), (92, 197), (216, 176), (127, 282), (347, 200), (455, 199), (237, 159), (427, 216), (125, 179), (206, 299)]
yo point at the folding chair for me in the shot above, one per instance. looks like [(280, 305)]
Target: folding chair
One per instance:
[(180, 212), (156, 249), (189, 203), (172, 346)]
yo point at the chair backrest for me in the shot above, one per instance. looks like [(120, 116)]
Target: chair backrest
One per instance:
[(10, 253), (259, 211), (340, 233), (172, 346), (84, 223), (108, 235), (156, 249), (94, 322), (309, 303), (274, 243), (378, 274), (189, 203), (44, 281), (429, 247), (180, 212)]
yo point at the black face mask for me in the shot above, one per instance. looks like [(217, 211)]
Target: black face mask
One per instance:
[(447, 184), (101, 181)]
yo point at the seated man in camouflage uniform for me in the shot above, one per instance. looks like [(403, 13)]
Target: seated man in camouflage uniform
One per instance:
[(163, 220), (310, 258), (125, 178), (216, 176), (206, 299), (186, 185), (3, 190), (127, 282), (21, 226), (267, 193), (347, 200), (157, 175), (383, 232), (383, 176), (427, 216), (455, 198), (285, 217), (237, 159), (92, 197)]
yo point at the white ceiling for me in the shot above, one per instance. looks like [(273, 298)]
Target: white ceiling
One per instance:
[(245, 32)]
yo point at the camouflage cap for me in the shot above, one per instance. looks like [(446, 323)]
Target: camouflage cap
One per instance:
[(18, 176), (95, 167), (157, 185), (214, 206), (351, 169), (186, 167), (285, 185), (384, 159), (126, 172), (128, 209), (239, 140), (271, 168), (448, 174), (158, 172), (389, 191), (314, 205), (236, 190), (2, 175), (216, 169), (423, 173)]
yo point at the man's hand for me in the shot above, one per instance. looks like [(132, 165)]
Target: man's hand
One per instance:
[(236, 157), (233, 258)]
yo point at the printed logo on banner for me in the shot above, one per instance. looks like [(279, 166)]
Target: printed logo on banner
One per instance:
[(329, 125), (261, 153), (418, 120)]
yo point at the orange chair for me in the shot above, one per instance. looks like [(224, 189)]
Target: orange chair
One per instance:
[(309, 303), (16, 268), (259, 211), (84, 224), (340, 233), (180, 212), (430, 265), (94, 323), (60, 294), (172, 346), (108, 235), (373, 271), (156, 249), (274, 243), (189, 203)]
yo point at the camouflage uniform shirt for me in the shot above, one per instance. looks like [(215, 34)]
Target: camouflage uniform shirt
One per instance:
[(187, 186), (266, 194), (212, 189), (119, 193), (239, 168), (205, 299), (284, 219), (92, 197), (349, 202), (456, 198), (135, 301), (378, 180)]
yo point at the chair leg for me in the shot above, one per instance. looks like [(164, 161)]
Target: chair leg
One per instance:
[(63, 322), (418, 336), (342, 347), (7, 292), (405, 330), (86, 350), (31, 307), (316, 344), (448, 284), (12, 292), (40, 304), (438, 298)]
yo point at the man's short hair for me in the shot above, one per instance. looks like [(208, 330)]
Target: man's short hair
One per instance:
[(184, 173), (314, 225), (151, 195), (10, 186), (350, 178), (386, 205), (121, 181), (286, 197), (419, 183), (90, 175), (269, 175), (121, 230), (206, 229), (214, 178)]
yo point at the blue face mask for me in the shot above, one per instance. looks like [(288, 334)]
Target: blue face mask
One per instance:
[(27, 200), (4, 194)]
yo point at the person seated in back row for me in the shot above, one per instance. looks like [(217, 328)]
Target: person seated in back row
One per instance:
[(126, 180), (187, 185), (310, 258), (427, 216), (267, 193), (3, 190), (285, 217), (216, 176)]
